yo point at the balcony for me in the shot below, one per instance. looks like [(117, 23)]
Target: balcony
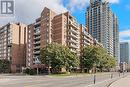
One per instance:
[(87, 35), (74, 31), (37, 47), (36, 52), (37, 33), (74, 24), (38, 37), (38, 22), (86, 43), (73, 41), (73, 46), (37, 42), (35, 57), (10, 45), (73, 35), (87, 39)]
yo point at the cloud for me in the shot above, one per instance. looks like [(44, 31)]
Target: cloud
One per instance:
[(73, 5), (28, 11), (125, 36), (113, 1), (77, 4)]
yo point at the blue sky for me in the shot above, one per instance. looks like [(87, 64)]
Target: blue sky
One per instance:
[(120, 7), (28, 12)]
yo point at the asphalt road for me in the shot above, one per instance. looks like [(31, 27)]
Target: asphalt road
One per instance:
[(124, 82), (47, 81)]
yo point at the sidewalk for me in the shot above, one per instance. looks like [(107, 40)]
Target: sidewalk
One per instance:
[(124, 82)]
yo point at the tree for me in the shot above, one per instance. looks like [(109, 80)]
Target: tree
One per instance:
[(110, 62), (91, 55), (4, 66), (58, 56), (97, 57), (102, 59)]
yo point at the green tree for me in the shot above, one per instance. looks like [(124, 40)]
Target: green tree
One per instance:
[(110, 62), (4, 66), (58, 56), (102, 59), (91, 55), (97, 57)]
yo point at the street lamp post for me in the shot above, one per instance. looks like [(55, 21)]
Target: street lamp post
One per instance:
[(94, 79), (37, 69), (49, 68), (48, 65), (37, 62)]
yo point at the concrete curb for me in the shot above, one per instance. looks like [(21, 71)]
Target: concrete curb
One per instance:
[(116, 80), (106, 83)]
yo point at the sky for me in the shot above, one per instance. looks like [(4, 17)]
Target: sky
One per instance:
[(27, 11)]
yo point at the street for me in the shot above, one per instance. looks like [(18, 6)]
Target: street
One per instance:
[(124, 82), (50, 81)]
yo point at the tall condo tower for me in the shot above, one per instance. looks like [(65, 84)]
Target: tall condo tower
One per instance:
[(102, 24)]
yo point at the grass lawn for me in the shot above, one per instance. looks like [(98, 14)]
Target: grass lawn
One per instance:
[(69, 74), (77, 74)]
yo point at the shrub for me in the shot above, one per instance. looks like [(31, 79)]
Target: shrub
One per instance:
[(30, 71)]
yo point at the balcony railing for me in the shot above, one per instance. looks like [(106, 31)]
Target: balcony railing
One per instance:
[(74, 36), (37, 47), (74, 24), (86, 43), (37, 33), (74, 31), (36, 52), (73, 46), (87, 39), (73, 41), (38, 42), (37, 37)]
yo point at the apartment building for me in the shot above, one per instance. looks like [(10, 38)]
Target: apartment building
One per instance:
[(39, 35), (124, 52), (13, 38), (66, 31), (51, 27), (103, 25), (116, 38), (85, 37), (60, 28), (73, 34)]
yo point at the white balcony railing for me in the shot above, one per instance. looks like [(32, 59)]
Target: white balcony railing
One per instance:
[(73, 46), (37, 47), (37, 52), (38, 42), (37, 37), (73, 41), (74, 31), (73, 35), (37, 33), (74, 24)]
